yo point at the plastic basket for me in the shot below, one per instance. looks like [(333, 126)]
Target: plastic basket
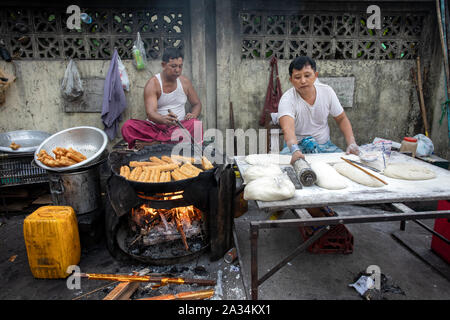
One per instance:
[(337, 240)]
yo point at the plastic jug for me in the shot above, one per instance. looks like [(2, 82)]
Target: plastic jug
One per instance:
[(52, 241)]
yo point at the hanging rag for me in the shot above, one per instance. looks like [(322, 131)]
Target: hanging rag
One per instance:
[(114, 101), (273, 94)]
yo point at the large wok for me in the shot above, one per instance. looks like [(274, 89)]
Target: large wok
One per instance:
[(120, 158)]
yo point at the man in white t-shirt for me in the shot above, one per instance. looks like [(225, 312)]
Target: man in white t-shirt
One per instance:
[(303, 113)]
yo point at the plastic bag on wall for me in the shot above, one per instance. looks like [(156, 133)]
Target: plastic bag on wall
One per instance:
[(123, 75), (72, 86), (140, 58)]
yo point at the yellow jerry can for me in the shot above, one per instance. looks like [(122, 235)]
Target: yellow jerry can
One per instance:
[(52, 241)]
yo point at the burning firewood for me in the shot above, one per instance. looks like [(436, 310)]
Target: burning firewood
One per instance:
[(139, 278), (189, 295), (181, 231)]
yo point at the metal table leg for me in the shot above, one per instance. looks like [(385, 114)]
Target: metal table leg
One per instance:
[(254, 232)]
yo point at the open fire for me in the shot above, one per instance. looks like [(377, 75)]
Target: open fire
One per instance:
[(155, 226)]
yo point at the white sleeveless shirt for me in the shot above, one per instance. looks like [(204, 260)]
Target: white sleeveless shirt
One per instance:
[(174, 100)]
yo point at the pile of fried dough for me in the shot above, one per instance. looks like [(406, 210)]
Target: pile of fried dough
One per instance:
[(63, 157), (14, 146), (164, 169)]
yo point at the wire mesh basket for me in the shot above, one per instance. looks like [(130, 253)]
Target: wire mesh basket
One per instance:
[(16, 170)]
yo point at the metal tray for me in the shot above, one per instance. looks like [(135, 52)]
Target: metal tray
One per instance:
[(28, 140)]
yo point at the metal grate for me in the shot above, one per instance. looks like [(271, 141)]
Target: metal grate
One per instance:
[(17, 170), (330, 36), (42, 33)]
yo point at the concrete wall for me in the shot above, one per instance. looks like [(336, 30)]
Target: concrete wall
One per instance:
[(34, 101), (435, 97), (385, 100)]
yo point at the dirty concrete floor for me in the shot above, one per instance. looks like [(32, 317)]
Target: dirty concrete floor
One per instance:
[(307, 277), (312, 276), (18, 283)]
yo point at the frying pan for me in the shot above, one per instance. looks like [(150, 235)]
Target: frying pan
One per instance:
[(118, 159)]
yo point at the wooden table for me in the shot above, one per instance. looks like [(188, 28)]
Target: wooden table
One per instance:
[(396, 192)]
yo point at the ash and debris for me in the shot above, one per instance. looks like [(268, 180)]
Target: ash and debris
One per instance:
[(227, 276), (388, 287)]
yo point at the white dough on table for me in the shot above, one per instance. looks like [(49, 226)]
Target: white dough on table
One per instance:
[(257, 171), (408, 171), (327, 176), (268, 158), (357, 175), (270, 189)]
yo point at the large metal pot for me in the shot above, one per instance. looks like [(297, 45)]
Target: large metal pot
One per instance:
[(79, 189)]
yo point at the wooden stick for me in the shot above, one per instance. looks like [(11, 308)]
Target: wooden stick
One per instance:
[(422, 101), (373, 176), (189, 295), (181, 231), (123, 291), (95, 290), (146, 278)]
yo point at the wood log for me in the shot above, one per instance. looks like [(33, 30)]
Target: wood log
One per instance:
[(123, 291), (188, 295), (181, 231)]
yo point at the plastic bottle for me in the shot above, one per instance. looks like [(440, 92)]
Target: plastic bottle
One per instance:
[(409, 145), (231, 255), (138, 58)]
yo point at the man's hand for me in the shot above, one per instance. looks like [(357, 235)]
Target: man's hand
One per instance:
[(297, 155), (170, 119), (189, 116), (352, 148)]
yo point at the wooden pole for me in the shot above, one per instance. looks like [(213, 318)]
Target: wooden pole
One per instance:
[(139, 278), (422, 101), (189, 295)]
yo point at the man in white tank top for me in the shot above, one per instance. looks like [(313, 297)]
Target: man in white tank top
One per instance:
[(303, 113), (165, 96)]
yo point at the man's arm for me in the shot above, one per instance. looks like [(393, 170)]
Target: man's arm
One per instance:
[(192, 98), (346, 128), (151, 104), (287, 124)]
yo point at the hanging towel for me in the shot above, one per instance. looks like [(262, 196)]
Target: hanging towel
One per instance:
[(273, 94), (114, 101)]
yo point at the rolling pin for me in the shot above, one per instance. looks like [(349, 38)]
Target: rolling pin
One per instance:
[(304, 172)]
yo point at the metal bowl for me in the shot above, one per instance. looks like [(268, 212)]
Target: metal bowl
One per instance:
[(90, 141), (28, 140)]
